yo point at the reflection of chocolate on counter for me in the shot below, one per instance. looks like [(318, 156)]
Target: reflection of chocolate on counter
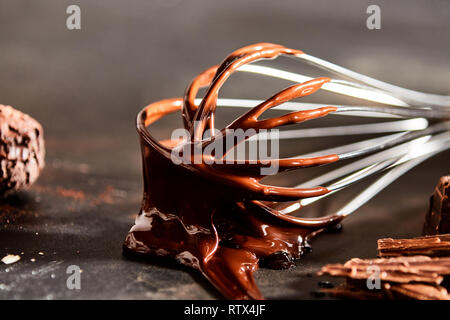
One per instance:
[(22, 149), (437, 220), (219, 218)]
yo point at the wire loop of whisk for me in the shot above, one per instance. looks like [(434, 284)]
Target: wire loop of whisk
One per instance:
[(419, 128)]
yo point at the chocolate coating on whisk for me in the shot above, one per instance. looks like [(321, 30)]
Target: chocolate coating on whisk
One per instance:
[(219, 218)]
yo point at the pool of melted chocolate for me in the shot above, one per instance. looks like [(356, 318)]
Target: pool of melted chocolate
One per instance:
[(219, 218)]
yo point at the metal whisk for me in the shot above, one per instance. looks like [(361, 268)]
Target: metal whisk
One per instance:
[(218, 217), (422, 128)]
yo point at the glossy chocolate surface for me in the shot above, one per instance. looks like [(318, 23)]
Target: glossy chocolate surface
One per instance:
[(219, 218)]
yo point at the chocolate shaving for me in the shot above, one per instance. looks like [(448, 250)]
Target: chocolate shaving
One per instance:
[(437, 220), (414, 277), (416, 291), (410, 272), (429, 246), (399, 269)]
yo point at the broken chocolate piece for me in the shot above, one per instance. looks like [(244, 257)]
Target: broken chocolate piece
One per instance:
[(398, 269), (409, 273), (437, 220), (414, 277), (416, 291), (22, 149), (438, 246)]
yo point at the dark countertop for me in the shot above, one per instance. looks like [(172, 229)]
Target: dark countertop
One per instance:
[(86, 87)]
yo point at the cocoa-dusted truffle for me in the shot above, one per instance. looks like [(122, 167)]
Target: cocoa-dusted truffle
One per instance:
[(437, 220), (22, 149)]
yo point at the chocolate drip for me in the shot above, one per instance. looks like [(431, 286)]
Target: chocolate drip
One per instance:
[(219, 218)]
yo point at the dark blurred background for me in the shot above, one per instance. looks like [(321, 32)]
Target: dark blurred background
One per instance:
[(86, 86)]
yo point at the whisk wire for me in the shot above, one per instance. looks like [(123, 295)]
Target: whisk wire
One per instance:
[(415, 139)]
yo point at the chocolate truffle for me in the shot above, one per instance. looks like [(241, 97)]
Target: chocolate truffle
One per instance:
[(22, 149)]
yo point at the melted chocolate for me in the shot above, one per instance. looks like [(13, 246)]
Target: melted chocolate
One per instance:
[(219, 218)]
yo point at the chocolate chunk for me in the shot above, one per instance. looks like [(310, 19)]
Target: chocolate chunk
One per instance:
[(409, 273), (22, 149), (416, 291), (437, 220), (438, 245)]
